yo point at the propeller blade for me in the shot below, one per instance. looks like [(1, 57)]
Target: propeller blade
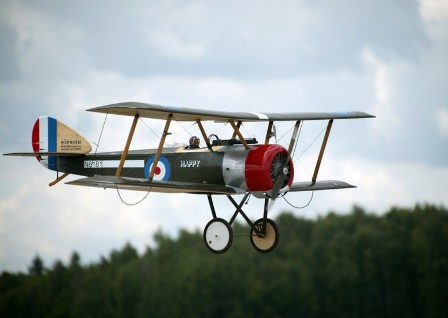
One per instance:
[(282, 174)]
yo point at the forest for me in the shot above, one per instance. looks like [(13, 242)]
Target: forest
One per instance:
[(356, 264)]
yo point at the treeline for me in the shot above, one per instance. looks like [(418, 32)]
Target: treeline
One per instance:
[(354, 265)]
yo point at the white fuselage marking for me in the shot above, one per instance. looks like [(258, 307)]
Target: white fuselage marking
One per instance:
[(91, 164)]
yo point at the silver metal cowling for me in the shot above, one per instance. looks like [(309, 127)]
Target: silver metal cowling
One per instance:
[(233, 166)]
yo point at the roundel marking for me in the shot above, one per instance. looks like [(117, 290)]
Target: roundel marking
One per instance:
[(162, 171)]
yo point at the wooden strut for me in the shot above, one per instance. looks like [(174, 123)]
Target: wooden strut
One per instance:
[(126, 147), (238, 133), (160, 148), (58, 179), (322, 150), (268, 132), (238, 125), (204, 135), (293, 137)]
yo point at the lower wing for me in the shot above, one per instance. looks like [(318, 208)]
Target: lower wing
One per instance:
[(137, 184), (320, 185)]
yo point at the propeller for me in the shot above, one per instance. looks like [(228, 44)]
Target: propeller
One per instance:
[(280, 173)]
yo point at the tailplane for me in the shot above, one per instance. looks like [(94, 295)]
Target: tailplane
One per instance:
[(52, 136)]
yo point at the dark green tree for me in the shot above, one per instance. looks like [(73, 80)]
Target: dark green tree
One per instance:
[(352, 265)]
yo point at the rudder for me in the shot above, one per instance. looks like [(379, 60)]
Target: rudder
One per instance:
[(51, 135)]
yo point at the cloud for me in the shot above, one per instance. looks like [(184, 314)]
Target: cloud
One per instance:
[(168, 45), (434, 10), (441, 120), (62, 58)]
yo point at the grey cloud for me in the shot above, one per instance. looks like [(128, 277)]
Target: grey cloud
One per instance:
[(9, 68), (253, 55), (243, 39)]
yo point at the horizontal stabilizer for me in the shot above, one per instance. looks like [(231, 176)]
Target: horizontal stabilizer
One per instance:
[(124, 183), (320, 185)]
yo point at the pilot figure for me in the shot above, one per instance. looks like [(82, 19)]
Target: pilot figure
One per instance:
[(194, 143)]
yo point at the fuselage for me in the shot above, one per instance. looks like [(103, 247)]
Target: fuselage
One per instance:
[(253, 169), (175, 164)]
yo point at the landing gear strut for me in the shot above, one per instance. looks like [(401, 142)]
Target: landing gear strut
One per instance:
[(218, 234)]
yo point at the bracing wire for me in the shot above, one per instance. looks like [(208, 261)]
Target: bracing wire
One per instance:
[(300, 207), (245, 129), (306, 149), (177, 136), (101, 134), (132, 204), (311, 143), (283, 136), (147, 126), (219, 128)]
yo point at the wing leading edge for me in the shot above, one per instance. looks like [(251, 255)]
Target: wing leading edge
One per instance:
[(191, 114)]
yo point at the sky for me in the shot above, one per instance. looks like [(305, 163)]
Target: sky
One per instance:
[(59, 58)]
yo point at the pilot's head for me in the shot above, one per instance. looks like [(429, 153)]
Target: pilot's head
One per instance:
[(194, 141)]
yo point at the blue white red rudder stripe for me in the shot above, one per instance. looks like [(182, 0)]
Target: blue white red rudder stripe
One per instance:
[(51, 135)]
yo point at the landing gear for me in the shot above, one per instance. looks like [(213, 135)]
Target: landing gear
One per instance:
[(218, 235), (265, 240)]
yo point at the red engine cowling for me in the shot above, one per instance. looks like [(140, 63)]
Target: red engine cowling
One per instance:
[(264, 164)]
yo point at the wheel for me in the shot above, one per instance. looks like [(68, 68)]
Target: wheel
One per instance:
[(266, 242), (218, 236)]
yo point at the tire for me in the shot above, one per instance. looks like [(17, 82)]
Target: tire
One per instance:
[(218, 235), (267, 242)]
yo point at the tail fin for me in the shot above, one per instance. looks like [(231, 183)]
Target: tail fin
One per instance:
[(51, 135)]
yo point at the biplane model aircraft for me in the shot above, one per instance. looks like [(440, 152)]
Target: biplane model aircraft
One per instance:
[(233, 166)]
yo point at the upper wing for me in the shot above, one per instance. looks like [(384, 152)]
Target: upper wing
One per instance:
[(137, 184), (191, 114), (320, 185)]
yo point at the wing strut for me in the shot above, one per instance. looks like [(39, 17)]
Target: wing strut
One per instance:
[(238, 125), (322, 150), (126, 147), (237, 132), (268, 132), (159, 150), (293, 137), (204, 135)]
